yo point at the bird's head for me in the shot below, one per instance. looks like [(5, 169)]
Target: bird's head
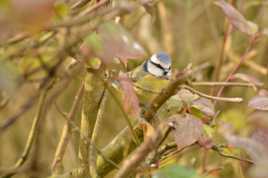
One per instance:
[(159, 65)]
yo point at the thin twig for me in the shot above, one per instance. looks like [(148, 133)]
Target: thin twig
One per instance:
[(120, 106), (95, 134), (32, 135), (94, 7), (65, 136), (252, 42), (219, 63), (224, 99), (77, 129), (60, 57), (249, 63), (215, 148), (231, 84), (4, 103)]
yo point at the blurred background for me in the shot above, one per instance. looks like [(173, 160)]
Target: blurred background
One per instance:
[(191, 31)]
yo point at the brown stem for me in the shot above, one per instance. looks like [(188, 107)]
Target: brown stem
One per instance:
[(65, 136), (252, 42), (32, 135)]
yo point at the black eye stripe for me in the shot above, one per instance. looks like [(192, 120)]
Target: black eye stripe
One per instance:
[(158, 65)]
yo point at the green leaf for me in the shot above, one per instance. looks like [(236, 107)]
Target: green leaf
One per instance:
[(175, 171), (94, 41), (92, 45)]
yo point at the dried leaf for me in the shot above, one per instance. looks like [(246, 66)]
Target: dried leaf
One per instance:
[(205, 106), (130, 99), (149, 130), (188, 129), (255, 150), (259, 103), (237, 19)]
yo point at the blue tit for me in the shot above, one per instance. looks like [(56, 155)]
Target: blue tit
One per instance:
[(152, 76), (158, 65)]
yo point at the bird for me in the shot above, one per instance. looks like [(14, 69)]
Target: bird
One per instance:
[(158, 65), (151, 76)]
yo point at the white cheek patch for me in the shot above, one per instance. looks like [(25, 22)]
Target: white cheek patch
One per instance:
[(157, 61), (154, 70), (154, 59)]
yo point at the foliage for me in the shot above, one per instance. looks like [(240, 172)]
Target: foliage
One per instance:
[(70, 107)]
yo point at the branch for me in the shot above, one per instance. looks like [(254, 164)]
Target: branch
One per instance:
[(95, 134), (140, 154), (243, 58), (226, 84), (119, 104), (224, 99), (215, 148), (65, 136), (117, 147), (60, 57), (222, 57), (32, 135)]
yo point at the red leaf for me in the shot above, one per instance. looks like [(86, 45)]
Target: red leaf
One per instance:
[(188, 129), (254, 149), (237, 19), (205, 106), (32, 14), (130, 99), (259, 103), (113, 41), (259, 119), (261, 135)]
